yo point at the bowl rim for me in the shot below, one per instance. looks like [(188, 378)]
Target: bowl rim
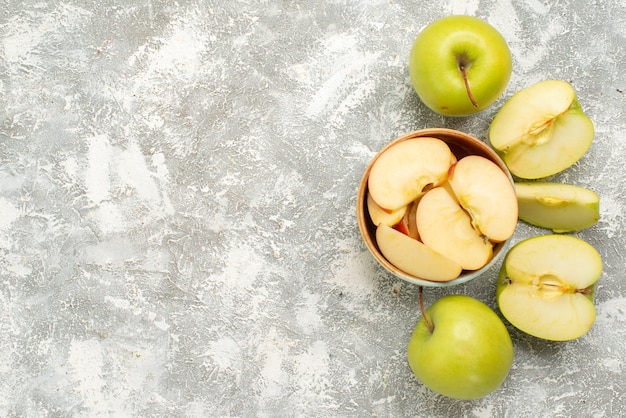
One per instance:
[(366, 227)]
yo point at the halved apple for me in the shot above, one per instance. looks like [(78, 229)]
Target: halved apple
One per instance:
[(413, 257), (546, 286), (541, 130), (406, 170), (486, 193), (557, 206), (445, 227), (380, 216)]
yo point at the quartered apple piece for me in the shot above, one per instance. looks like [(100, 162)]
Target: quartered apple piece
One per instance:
[(406, 170), (445, 227), (486, 193), (413, 257), (407, 224), (557, 206), (541, 130), (379, 216), (546, 284), (411, 219)]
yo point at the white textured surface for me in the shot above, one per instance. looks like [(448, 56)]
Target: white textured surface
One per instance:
[(177, 222)]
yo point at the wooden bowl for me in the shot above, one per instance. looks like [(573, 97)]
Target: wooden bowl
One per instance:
[(461, 144)]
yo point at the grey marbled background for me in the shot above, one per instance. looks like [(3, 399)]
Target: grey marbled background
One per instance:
[(177, 222)]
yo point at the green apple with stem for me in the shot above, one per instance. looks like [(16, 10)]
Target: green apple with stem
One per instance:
[(557, 206), (541, 130), (546, 286), (460, 348), (459, 65)]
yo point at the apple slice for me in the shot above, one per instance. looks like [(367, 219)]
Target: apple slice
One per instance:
[(411, 219), (379, 216), (407, 224), (541, 130), (557, 206), (546, 286), (404, 171), (486, 193), (445, 227), (413, 257), (402, 226)]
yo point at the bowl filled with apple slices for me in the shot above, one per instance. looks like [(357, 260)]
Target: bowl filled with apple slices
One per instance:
[(437, 207)]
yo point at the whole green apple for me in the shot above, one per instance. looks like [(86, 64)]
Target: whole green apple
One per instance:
[(468, 353), (459, 65)]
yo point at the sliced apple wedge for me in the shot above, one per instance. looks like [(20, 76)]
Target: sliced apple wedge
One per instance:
[(402, 226), (487, 194), (546, 286), (407, 224), (413, 257), (411, 219), (404, 171), (380, 216), (557, 206), (445, 227), (541, 130)]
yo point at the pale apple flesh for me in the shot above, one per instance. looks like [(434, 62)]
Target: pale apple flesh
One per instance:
[(541, 130), (488, 196), (407, 225), (557, 206), (469, 352), (411, 220), (528, 115), (456, 209), (413, 257), (380, 216), (545, 287), (406, 170), (445, 227), (570, 138)]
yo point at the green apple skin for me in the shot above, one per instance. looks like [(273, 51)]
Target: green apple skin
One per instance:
[(557, 206), (469, 353), (438, 52), (546, 286)]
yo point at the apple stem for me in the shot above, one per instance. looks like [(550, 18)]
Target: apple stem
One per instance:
[(429, 324), (463, 70)]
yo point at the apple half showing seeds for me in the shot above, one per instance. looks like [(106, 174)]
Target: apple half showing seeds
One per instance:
[(546, 286), (437, 215), (541, 130)]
